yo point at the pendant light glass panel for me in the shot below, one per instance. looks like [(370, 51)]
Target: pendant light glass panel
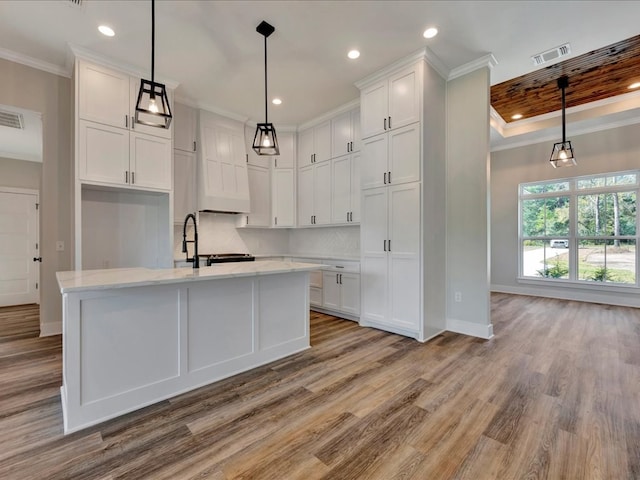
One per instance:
[(562, 155), (265, 141)]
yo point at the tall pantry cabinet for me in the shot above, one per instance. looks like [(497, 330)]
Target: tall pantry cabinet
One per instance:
[(123, 174), (401, 275)]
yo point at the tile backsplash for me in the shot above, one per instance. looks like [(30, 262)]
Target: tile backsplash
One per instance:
[(217, 233)]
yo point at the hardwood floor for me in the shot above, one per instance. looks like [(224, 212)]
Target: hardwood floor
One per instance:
[(555, 395)]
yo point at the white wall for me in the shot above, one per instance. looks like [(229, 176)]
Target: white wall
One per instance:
[(20, 173), (606, 151), (467, 242), (39, 91)]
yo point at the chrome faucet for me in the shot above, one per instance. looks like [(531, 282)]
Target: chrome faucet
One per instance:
[(196, 264)]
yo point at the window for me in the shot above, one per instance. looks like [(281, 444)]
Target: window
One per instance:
[(580, 229)]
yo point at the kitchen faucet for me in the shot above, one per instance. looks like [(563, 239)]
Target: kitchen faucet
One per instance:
[(196, 264)]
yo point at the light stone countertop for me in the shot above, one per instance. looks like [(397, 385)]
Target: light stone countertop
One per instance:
[(88, 280)]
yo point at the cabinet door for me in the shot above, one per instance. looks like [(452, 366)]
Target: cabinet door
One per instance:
[(103, 95), (373, 265), (404, 256), (350, 293), (322, 193), (330, 290), (305, 195), (260, 196), (150, 161), (287, 144), (104, 153), (305, 147), (253, 158), (184, 185), (374, 102), (356, 134), (283, 204), (341, 189), (184, 128), (341, 133), (322, 142), (404, 98), (374, 157), (355, 188), (404, 154)]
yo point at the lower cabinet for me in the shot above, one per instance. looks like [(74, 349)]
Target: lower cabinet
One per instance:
[(341, 292), (315, 288)]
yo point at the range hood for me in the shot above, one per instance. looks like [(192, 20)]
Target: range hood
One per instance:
[(223, 181)]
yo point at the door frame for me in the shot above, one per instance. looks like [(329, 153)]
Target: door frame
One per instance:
[(30, 191)]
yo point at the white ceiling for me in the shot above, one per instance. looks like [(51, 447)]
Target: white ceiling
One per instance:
[(211, 48)]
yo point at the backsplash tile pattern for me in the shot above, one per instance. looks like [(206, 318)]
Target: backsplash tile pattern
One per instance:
[(339, 241)]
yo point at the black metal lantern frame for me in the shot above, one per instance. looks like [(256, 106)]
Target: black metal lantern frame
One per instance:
[(562, 152), (265, 141), (152, 106)]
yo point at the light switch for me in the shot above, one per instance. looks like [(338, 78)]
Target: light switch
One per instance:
[(60, 246)]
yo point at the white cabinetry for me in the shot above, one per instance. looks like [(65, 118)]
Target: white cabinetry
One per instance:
[(260, 196), (392, 158), (253, 158), (341, 292), (314, 194), (345, 178), (223, 183), (287, 144), (390, 258), (185, 196), (185, 121), (391, 103), (283, 197), (314, 144), (315, 288), (345, 133)]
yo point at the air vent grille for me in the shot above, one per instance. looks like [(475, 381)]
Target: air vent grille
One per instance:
[(75, 3), (549, 55), (11, 119)]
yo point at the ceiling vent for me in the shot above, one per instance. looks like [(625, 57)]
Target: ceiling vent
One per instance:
[(75, 3), (549, 55), (11, 120)]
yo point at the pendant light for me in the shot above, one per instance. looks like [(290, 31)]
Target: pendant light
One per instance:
[(152, 107), (562, 153), (265, 141)]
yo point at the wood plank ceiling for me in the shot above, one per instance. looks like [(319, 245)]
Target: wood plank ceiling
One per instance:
[(596, 75)]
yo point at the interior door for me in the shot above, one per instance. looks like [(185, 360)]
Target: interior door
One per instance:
[(18, 247)]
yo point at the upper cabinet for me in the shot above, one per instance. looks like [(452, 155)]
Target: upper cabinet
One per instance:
[(223, 183), (314, 144), (109, 97), (345, 133), (391, 103), (185, 121), (287, 144), (253, 158)]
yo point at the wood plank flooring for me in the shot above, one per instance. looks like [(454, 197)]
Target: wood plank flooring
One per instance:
[(555, 395)]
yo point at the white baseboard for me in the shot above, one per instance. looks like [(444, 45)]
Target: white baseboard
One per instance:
[(469, 328), (49, 329), (591, 296)]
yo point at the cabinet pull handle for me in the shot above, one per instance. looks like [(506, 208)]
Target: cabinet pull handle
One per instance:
[(133, 126), (247, 219), (126, 121), (351, 216), (133, 178), (126, 176), (275, 163), (337, 275), (351, 146), (384, 243), (389, 244), (385, 123), (275, 220), (347, 216), (194, 145), (389, 123), (389, 177), (385, 178), (247, 157)]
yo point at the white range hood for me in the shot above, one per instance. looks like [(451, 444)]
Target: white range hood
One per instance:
[(223, 182)]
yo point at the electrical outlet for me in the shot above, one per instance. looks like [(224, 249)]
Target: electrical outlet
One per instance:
[(60, 246), (458, 297)]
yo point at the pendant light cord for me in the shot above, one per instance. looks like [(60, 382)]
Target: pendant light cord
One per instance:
[(153, 42), (266, 103), (563, 120)]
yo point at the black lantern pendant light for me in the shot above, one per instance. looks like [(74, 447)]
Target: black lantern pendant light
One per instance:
[(152, 107), (562, 153), (265, 141)]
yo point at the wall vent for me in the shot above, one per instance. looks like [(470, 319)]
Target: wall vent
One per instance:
[(549, 55), (75, 3), (11, 120)]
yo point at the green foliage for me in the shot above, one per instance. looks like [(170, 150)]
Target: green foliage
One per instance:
[(601, 274), (559, 270)]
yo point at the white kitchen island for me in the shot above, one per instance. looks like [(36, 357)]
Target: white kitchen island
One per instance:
[(134, 336)]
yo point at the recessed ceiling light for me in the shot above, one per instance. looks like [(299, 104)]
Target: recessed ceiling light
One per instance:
[(106, 31), (276, 101), (517, 116), (430, 32), (634, 85), (353, 54)]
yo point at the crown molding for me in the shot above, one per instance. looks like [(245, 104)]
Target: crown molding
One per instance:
[(485, 61), (353, 104), (34, 63)]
